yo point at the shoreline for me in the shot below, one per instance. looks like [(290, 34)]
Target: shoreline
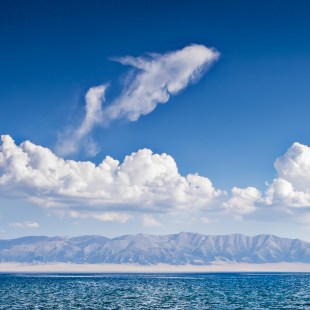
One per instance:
[(215, 267)]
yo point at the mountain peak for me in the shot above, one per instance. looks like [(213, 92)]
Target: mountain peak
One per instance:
[(177, 249)]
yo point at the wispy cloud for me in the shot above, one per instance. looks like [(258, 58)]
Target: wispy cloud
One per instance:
[(149, 221), (103, 217), (153, 80), (205, 220), (112, 217), (25, 224), (156, 78), (70, 141)]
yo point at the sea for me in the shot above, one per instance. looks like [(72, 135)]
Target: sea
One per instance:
[(155, 291)]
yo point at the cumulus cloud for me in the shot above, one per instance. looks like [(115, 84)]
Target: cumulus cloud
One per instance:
[(242, 200), (294, 166), (153, 80), (25, 224), (292, 187), (147, 183), (287, 196), (149, 221), (144, 182)]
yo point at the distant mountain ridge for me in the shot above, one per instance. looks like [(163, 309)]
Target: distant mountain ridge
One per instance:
[(176, 249)]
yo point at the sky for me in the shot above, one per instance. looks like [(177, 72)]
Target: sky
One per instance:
[(155, 117)]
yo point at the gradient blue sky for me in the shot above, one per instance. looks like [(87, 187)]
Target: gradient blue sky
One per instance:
[(230, 127)]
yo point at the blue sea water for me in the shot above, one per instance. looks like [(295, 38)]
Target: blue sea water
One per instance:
[(155, 291)]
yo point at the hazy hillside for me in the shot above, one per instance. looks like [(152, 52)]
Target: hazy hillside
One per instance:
[(144, 249)]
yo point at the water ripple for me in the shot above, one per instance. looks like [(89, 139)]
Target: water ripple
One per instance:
[(155, 291)]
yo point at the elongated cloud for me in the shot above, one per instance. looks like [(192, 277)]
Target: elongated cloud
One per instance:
[(103, 217), (154, 79), (157, 78), (112, 217), (25, 224)]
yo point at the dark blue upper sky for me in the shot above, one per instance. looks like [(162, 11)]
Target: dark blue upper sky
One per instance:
[(230, 127)]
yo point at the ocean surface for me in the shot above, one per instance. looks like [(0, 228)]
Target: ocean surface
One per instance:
[(155, 291)]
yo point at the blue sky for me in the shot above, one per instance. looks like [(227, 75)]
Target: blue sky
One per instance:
[(246, 111)]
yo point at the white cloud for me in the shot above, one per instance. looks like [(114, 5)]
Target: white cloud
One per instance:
[(149, 221), (238, 218), (242, 200), (103, 217), (155, 78), (76, 215), (112, 217), (31, 224), (147, 183), (25, 224), (144, 182), (205, 220), (70, 141), (287, 196), (292, 187), (16, 224), (294, 166)]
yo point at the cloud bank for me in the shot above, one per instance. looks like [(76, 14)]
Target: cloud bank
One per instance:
[(146, 183), (153, 80)]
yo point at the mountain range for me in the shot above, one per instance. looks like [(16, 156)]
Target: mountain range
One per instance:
[(175, 249)]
